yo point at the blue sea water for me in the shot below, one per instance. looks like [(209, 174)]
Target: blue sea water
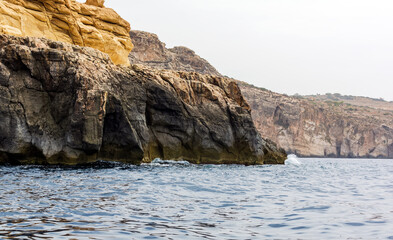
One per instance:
[(320, 199)]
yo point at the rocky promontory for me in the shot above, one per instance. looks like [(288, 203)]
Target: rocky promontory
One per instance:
[(66, 104)]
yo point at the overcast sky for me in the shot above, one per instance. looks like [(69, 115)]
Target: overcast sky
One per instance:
[(288, 46)]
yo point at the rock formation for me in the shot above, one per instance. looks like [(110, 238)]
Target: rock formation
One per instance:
[(89, 24), (65, 104), (149, 50), (314, 128), (307, 127)]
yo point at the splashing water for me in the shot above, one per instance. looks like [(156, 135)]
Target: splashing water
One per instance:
[(293, 160)]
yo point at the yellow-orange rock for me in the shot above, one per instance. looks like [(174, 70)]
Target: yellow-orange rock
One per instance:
[(89, 24)]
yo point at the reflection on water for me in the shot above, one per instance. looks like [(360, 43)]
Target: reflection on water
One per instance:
[(336, 199)]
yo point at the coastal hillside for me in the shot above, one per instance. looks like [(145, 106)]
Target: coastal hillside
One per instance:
[(322, 127), (310, 126)]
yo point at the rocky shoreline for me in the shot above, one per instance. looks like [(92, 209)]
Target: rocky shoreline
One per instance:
[(65, 104)]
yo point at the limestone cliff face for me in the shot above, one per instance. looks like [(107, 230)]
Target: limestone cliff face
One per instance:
[(149, 50), (310, 127), (65, 104), (89, 24)]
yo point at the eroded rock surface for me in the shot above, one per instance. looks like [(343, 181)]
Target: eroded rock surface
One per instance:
[(65, 104), (149, 50), (89, 24), (318, 128)]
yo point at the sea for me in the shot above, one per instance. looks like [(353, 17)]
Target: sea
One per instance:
[(316, 199)]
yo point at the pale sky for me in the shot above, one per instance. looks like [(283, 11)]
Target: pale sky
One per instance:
[(288, 46)]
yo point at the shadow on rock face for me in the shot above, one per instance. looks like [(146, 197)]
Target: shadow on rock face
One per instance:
[(64, 104)]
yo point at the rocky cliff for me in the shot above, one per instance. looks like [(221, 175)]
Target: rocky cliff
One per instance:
[(320, 127), (89, 24), (149, 50), (312, 126), (65, 104)]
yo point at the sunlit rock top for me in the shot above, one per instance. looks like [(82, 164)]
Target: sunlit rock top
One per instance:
[(89, 24)]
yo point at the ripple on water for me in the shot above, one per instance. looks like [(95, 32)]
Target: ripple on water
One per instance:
[(316, 208), (326, 199), (277, 225), (355, 224)]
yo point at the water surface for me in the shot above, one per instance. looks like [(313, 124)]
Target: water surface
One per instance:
[(321, 199)]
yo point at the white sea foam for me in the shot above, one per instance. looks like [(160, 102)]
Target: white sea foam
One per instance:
[(158, 161), (293, 160)]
